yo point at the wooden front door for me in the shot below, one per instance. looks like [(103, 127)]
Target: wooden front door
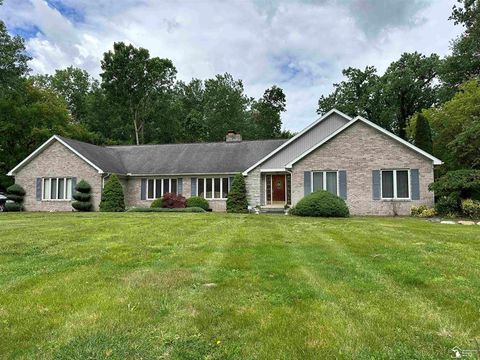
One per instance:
[(278, 188)]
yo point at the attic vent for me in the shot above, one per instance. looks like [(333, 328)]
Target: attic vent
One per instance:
[(233, 136)]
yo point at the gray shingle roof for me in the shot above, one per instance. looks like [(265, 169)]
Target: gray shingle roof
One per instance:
[(195, 158)]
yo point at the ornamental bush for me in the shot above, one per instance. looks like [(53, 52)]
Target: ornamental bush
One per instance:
[(471, 208), (112, 196), (448, 205), (198, 201), (82, 196), (464, 183), (15, 194), (157, 203), (173, 201), (321, 203), (237, 197)]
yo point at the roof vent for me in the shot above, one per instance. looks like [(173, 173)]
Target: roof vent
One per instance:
[(233, 136)]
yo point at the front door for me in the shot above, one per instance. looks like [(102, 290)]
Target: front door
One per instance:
[(278, 188)]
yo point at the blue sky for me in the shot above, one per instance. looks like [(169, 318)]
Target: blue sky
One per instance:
[(301, 46)]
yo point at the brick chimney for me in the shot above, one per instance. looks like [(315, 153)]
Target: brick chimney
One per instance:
[(233, 136)]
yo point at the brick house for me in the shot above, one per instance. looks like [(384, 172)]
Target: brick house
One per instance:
[(376, 172)]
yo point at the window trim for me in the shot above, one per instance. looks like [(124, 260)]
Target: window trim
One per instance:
[(324, 176), (161, 186), (395, 197), (65, 187), (213, 187)]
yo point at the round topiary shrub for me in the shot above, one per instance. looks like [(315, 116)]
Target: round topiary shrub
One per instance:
[(156, 204), (321, 203), (15, 194), (198, 201), (82, 197), (237, 197), (112, 196)]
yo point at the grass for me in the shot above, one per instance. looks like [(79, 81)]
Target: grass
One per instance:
[(217, 286)]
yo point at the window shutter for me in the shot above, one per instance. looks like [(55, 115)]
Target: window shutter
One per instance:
[(307, 187), (231, 180), (193, 186), (39, 189), (179, 186), (143, 189), (342, 184), (414, 184), (376, 184), (74, 184)]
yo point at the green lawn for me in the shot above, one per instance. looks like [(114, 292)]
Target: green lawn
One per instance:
[(134, 286)]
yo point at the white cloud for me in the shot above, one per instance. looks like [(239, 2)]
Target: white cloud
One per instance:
[(301, 46)]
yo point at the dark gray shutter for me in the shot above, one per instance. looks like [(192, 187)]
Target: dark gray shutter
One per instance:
[(414, 184), (193, 186), (179, 186), (342, 184), (231, 181), (143, 189), (39, 189), (376, 184), (74, 184), (307, 187)]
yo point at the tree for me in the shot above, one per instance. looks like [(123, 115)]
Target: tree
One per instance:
[(225, 107), (237, 197), (423, 134), (464, 62), (15, 193), (112, 196), (13, 61), (456, 128), (266, 113), (133, 82)]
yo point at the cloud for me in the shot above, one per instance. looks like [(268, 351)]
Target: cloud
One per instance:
[(301, 46)]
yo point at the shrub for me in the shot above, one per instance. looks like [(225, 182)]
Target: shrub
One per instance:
[(112, 196), (186, 210), (157, 203), (427, 213), (471, 208), (447, 205), (82, 196), (15, 194), (321, 203), (198, 201), (173, 201), (13, 206), (237, 197), (465, 183), (417, 210)]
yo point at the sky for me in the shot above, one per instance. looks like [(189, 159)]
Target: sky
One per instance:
[(300, 45)]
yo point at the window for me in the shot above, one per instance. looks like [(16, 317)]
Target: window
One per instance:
[(395, 184), (57, 189), (213, 188), (156, 188), (325, 180)]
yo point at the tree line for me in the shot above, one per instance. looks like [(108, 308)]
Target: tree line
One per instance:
[(430, 101)]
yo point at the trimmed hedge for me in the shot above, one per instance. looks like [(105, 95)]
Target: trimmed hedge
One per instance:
[(112, 196), (198, 201), (82, 197), (15, 194), (321, 203), (237, 197), (157, 203), (184, 210)]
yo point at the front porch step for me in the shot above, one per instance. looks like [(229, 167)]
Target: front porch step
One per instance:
[(272, 210)]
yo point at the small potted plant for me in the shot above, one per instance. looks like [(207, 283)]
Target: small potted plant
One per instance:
[(286, 208)]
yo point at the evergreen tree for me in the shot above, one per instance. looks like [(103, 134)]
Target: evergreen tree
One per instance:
[(112, 196), (15, 193), (82, 197), (237, 197), (423, 134)]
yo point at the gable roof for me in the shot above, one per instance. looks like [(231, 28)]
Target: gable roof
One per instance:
[(195, 158), (166, 159), (435, 160), (301, 133)]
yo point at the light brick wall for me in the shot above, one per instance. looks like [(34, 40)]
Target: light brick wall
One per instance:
[(359, 150), (253, 185), (56, 161)]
